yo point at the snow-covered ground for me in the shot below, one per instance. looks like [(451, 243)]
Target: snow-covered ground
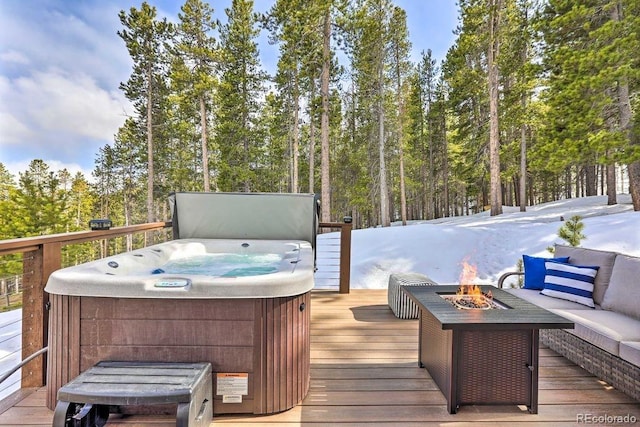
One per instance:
[(10, 349), (437, 248)]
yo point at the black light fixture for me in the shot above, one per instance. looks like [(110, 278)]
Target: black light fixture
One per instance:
[(100, 224)]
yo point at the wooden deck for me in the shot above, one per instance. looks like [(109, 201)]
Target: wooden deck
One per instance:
[(364, 372)]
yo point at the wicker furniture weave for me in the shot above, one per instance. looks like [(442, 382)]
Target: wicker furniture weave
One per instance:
[(608, 367), (481, 356), (618, 372)]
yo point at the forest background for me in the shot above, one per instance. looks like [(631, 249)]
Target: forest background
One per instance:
[(535, 101)]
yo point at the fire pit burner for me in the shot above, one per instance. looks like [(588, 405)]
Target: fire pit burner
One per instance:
[(473, 302)]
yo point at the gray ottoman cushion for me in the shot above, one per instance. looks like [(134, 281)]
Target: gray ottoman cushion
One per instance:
[(400, 304)]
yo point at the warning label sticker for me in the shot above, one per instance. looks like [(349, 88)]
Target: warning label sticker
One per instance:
[(232, 385)]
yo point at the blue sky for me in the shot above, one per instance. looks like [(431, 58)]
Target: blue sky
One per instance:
[(61, 63)]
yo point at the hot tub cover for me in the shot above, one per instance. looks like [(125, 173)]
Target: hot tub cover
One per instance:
[(271, 216)]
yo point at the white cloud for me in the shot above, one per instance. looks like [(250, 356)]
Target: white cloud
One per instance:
[(58, 110), (16, 168), (73, 104), (13, 56), (12, 130), (60, 68)]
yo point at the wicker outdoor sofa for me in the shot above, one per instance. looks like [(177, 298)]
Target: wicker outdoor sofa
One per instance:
[(606, 337)]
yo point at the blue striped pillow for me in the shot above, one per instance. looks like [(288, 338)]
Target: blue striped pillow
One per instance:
[(570, 282)]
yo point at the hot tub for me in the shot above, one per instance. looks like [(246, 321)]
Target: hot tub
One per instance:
[(138, 306), (253, 329), (224, 269)]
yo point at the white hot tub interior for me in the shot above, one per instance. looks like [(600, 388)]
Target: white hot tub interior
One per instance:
[(195, 268)]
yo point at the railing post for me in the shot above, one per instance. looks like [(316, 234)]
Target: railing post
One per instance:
[(37, 266), (345, 255)]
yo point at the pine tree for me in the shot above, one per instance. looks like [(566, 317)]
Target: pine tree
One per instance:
[(11, 265), (241, 87), (571, 230), (465, 74), (193, 74), (288, 28), (400, 46), (145, 38), (369, 54), (591, 58), (7, 203), (40, 202), (325, 184), (493, 79)]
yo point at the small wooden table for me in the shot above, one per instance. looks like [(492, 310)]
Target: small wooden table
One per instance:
[(482, 356), (85, 400)]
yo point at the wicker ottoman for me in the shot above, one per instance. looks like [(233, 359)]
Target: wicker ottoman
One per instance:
[(399, 302)]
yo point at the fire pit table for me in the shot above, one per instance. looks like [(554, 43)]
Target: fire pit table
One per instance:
[(482, 356)]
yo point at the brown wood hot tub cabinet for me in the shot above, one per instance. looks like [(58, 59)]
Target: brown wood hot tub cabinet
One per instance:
[(268, 338)]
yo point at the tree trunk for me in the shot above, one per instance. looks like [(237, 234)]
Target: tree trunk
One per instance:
[(403, 194), (431, 211), (590, 180), (611, 185), (624, 107), (324, 120), (634, 184), (296, 133), (205, 151), (445, 169), (312, 140), (494, 130), (150, 216), (384, 192), (523, 167)]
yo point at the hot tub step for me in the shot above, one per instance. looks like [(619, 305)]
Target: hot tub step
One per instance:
[(85, 400)]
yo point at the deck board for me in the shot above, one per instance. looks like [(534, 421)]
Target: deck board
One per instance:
[(364, 372)]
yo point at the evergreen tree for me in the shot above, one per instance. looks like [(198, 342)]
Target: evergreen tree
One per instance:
[(273, 121), (40, 202), (193, 76), (146, 38), (293, 30), (571, 230), (325, 184), (80, 210), (424, 138), (493, 78), (400, 46), (7, 204), (592, 62), (241, 87), (369, 54), (11, 265), (465, 74)]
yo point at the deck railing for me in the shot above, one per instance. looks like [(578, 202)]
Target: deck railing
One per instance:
[(42, 255)]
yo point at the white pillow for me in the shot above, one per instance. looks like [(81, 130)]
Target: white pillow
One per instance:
[(570, 282)]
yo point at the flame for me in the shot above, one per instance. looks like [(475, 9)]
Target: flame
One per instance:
[(467, 287), (468, 274)]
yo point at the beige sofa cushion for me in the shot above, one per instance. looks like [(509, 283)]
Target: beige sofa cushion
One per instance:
[(630, 351), (605, 329), (535, 297), (591, 257), (623, 294)]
